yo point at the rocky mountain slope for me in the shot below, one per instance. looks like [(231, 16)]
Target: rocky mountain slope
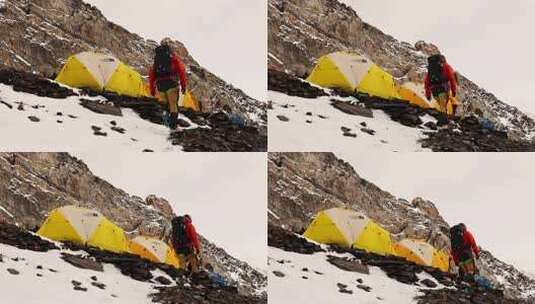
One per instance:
[(32, 184), (302, 184), (301, 31), (39, 35)]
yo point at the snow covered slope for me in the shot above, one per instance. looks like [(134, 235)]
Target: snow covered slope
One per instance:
[(301, 278), (44, 277), (64, 125), (315, 125)]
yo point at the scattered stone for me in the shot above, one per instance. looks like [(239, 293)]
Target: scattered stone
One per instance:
[(34, 118), (162, 280), (431, 125), (318, 273), (94, 278), (309, 121), (279, 274), (304, 269), (309, 114), (182, 123), (30, 83), (59, 121), (348, 265), (342, 288), (12, 271), (322, 117), (72, 116), (59, 114), (39, 275), (20, 107), (428, 283), (360, 281), (118, 130), (368, 131), (352, 109), (76, 283), (346, 129), (13, 236), (82, 262), (6, 104), (79, 288), (52, 270), (364, 124), (349, 134), (364, 287), (292, 86), (148, 151), (280, 238), (99, 285), (133, 139), (283, 118), (101, 107), (113, 123)]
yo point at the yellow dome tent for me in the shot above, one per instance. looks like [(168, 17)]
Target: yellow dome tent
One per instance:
[(154, 250), (102, 73), (348, 228), (190, 102), (422, 253), (414, 93), (351, 72), (84, 227)]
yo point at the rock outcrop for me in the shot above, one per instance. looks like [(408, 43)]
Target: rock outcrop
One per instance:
[(39, 35), (301, 31), (32, 184)]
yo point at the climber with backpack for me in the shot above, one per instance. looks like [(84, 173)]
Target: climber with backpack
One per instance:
[(168, 77), (186, 243), (464, 251), (441, 82)]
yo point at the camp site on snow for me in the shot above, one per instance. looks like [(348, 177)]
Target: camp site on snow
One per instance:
[(60, 86), (336, 82)]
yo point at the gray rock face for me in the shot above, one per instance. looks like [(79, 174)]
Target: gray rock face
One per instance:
[(39, 35), (32, 184), (301, 31)]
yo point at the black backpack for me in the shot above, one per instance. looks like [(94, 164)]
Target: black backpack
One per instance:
[(435, 70), (179, 235), (458, 244), (162, 62)]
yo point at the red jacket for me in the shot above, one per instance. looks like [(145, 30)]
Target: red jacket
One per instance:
[(468, 239), (178, 70), (450, 74), (192, 235)]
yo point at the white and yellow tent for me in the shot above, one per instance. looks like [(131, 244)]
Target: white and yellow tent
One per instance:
[(102, 73), (84, 227), (348, 228), (189, 101), (351, 72), (414, 93), (154, 250), (422, 253)]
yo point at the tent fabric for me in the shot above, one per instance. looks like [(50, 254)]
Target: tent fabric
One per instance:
[(422, 253), (188, 101), (351, 72), (85, 227), (102, 73), (154, 250), (348, 228)]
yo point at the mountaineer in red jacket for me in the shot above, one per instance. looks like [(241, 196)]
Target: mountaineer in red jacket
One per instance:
[(464, 250), (186, 243), (168, 76), (441, 82)]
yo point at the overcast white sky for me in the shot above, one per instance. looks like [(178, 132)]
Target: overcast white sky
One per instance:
[(492, 194), (491, 42), (225, 193), (228, 37)]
